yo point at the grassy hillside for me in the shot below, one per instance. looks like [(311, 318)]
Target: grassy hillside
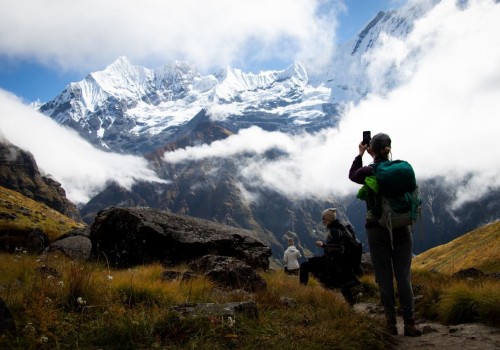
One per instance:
[(479, 249), (20, 213)]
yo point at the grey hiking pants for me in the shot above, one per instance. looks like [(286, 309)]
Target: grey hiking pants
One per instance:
[(386, 260)]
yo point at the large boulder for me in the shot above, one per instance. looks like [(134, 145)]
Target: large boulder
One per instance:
[(229, 272), (131, 236), (74, 247)]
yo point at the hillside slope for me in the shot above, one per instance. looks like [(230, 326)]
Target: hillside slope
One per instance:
[(479, 249), (22, 214)]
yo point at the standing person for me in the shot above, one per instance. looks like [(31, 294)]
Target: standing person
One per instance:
[(290, 257), (388, 259), (335, 268)]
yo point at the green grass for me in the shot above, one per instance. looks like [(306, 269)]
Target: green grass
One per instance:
[(88, 306)]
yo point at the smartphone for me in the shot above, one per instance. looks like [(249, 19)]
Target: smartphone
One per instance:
[(367, 136)]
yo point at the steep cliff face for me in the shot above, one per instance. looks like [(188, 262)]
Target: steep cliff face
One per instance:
[(19, 172)]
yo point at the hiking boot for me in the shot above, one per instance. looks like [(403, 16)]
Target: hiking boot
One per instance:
[(411, 330), (391, 324), (349, 298)]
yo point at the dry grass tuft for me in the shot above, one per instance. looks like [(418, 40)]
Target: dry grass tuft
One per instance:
[(464, 302)]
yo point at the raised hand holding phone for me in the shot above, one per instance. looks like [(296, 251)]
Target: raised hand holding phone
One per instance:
[(367, 136)]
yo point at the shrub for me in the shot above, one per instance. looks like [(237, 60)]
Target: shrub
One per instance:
[(463, 302)]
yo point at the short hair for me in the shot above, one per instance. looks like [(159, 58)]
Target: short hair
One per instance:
[(330, 214)]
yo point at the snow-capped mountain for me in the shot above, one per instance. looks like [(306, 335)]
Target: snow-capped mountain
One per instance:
[(129, 108)]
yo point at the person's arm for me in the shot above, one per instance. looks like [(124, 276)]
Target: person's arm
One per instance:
[(358, 172), (320, 244)]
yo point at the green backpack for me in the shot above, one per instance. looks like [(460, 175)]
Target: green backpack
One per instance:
[(397, 201)]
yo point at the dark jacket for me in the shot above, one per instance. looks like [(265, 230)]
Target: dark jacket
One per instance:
[(335, 269), (358, 173), (340, 243)]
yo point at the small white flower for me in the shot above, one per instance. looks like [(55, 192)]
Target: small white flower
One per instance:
[(110, 278), (80, 301), (44, 339), (29, 328), (231, 321), (60, 284)]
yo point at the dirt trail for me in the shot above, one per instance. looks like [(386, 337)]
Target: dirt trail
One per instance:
[(471, 336)]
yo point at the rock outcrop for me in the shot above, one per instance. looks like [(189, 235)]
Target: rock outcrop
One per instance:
[(131, 236), (19, 172), (247, 308)]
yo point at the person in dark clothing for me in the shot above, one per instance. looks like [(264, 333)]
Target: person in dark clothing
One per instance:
[(334, 269), (388, 261)]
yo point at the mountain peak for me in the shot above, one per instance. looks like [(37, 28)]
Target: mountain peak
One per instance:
[(122, 78), (120, 62), (297, 72), (233, 81)]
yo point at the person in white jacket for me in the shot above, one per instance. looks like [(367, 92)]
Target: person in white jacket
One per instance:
[(290, 257)]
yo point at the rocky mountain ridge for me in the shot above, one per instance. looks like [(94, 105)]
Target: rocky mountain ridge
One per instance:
[(133, 109)]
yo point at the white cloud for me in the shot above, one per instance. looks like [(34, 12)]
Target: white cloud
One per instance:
[(443, 117), (88, 34), (81, 169)]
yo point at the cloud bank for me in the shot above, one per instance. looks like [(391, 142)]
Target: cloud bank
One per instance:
[(88, 34), (81, 169), (442, 117)]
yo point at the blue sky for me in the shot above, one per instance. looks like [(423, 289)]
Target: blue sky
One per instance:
[(45, 47)]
